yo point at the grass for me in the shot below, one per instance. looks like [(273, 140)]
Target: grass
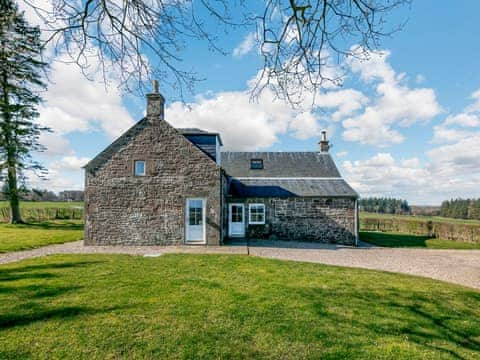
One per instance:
[(367, 215), (33, 235), (388, 239), (46, 204), (228, 306)]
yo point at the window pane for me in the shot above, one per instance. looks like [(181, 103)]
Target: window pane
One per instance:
[(195, 216), (257, 213), (237, 214), (140, 167), (256, 164)]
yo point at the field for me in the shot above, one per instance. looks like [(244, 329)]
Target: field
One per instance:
[(228, 306), (46, 204), (387, 239), (366, 215), (33, 235)]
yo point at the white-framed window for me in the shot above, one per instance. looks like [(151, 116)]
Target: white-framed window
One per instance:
[(140, 168), (256, 214)]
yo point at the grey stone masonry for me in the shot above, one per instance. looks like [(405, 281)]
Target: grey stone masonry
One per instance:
[(124, 209), (328, 220)]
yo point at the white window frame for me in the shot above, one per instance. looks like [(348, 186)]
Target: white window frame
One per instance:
[(144, 168), (250, 214)]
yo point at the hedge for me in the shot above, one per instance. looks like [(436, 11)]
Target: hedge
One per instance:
[(468, 233), (43, 214)]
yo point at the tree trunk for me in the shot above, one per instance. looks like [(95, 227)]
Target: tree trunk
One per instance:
[(16, 217)]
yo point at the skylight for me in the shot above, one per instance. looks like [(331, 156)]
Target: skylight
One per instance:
[(256, 164)]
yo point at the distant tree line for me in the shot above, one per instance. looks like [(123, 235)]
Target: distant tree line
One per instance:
[(461, 209), (26, 194), (384, 205)]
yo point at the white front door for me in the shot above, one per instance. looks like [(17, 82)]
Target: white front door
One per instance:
[(236, 220), (195, 220)]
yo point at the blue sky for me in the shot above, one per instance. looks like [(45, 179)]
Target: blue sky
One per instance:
[(405, 124)]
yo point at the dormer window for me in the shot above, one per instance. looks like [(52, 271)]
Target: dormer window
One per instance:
[(256, 164), (139, 168)]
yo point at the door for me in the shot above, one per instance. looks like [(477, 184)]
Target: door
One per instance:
[(195, 220), (236, 220)]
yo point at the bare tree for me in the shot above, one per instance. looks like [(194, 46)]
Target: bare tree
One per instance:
[(299, 40)]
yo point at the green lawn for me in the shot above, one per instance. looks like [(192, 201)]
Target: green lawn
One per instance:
[(367, 215), (32, 235), (228, 306), (45, 204), (388, 239)]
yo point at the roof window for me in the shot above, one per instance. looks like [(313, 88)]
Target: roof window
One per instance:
[(256, 164)]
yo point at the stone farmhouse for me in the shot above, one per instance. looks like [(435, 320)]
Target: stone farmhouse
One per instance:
[(158, 185)]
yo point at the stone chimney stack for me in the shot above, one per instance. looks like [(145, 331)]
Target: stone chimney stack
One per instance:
[(324, 145), (155, 104)]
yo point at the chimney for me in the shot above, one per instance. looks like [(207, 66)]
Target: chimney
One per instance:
[(155, 104), (324, 145)]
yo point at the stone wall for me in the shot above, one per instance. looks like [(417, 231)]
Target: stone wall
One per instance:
[(121, 208), (304, 219)]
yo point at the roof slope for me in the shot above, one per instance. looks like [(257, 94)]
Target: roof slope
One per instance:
[(124, 139), (114, 147), (290, 187), (280, 164)]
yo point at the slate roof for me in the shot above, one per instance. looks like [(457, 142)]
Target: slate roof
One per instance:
[(280, 164), (285, 174), (290, 187)]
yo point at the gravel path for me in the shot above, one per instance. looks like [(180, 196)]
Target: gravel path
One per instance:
[(455, 266)]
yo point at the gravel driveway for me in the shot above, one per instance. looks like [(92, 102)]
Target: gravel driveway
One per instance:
[(455, 266)]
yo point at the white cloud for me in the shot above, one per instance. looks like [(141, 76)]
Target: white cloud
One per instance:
[(243, 124), (460, 126), (475, 107), (346, 101), (69, 163), (246, 46), (451, 169), (305, 126), (419, 79), (74, 103), (396, 104), (65, 173), (441, 178), (55, 144), (382, 175), (341, 154)]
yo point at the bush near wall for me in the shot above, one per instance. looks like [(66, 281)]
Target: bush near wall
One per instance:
[(468, 233), (43, 214)]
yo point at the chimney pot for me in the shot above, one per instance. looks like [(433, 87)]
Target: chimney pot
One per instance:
[(324, 143), (155, 104)]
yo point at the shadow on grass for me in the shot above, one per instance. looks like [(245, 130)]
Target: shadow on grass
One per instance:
[(394, 240), (413, 316), (52, 225), (40, 295), (30, 271), (34, 313)]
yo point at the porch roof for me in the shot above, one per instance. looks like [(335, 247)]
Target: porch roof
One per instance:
[(334, 187)]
